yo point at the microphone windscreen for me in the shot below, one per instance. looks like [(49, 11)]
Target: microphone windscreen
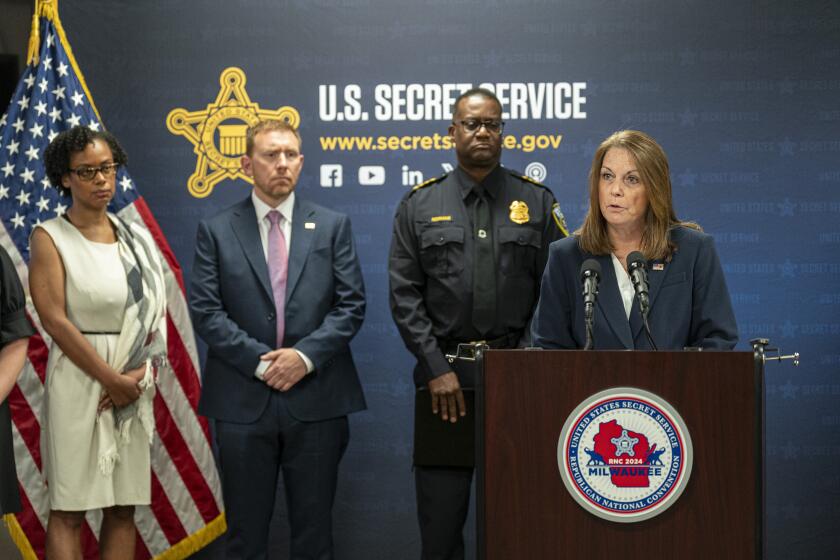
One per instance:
[(636, 260), (590, 267)]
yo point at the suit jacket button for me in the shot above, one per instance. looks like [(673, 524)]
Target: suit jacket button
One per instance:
[(270, 316)]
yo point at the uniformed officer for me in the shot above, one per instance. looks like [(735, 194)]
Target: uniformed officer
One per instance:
[(466, 260)]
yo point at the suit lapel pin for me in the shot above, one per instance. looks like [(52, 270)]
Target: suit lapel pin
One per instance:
[(658, 266), (309, 225)]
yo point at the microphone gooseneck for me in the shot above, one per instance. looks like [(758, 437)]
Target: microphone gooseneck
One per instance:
[(637, 267), (590, 275)]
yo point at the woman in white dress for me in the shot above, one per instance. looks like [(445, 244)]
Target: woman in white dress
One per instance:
[(97, 285)]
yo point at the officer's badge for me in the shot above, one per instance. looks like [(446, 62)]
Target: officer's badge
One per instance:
[(519, 212)]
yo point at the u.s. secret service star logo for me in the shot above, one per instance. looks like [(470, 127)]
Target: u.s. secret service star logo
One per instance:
[(625, 454), (217, 133)]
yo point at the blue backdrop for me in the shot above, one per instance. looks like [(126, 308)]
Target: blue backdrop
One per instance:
[(743, 96)]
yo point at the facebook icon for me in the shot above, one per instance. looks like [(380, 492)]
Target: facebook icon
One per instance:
[(331, 175)]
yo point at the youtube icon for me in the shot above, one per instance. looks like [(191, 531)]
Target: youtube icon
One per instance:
[(371, 175)]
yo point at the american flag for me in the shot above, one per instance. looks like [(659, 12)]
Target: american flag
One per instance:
[(186, 511)]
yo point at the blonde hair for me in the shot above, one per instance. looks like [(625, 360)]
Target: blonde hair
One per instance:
[(267, 126), (660, 218)]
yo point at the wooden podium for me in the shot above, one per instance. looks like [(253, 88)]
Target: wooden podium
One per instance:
[(526, 513)]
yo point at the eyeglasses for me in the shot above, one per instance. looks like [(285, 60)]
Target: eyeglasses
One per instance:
[(472, 125), (88, 173)]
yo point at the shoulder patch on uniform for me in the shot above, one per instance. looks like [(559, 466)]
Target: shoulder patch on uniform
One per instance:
[(429, 182), (559, 219), (519, 175)]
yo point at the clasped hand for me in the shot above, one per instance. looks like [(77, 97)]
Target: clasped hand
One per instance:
[(286, 369), (122, 389)]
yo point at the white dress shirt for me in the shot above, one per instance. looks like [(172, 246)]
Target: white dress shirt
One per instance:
[(625, 286), (286, 209)]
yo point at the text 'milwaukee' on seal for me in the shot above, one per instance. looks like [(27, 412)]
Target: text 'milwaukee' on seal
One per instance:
[(625, 454)]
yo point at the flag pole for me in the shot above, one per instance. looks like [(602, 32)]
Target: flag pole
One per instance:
[(49, 10)]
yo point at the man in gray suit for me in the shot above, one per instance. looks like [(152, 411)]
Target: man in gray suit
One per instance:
[(277, 295)]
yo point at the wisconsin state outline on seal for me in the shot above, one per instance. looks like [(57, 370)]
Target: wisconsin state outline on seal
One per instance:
[(625, 454)]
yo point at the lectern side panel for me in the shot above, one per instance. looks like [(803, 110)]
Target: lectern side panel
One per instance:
[(530, 514)]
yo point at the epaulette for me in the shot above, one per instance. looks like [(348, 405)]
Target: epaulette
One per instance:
[(519, 175), (429, 182)]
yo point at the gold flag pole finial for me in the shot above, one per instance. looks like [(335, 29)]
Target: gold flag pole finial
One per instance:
[(43, 8), (49, 9)]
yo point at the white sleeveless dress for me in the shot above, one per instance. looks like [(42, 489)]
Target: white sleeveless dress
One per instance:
[(95, 294)]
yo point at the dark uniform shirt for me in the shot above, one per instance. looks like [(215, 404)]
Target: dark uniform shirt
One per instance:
[(14, 325), (431, 262)]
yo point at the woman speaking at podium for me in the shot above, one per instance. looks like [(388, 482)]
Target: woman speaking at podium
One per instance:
[(674, 277)]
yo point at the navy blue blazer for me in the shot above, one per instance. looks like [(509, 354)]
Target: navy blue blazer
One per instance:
[(233, 311), (689, 302)]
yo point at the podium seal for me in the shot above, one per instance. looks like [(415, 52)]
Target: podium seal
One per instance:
[(625, 454)]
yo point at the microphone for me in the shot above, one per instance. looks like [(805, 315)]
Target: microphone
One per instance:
[(590, 275), (637, 267)]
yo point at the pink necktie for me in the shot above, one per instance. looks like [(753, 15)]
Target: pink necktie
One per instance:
[(278, 269)]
